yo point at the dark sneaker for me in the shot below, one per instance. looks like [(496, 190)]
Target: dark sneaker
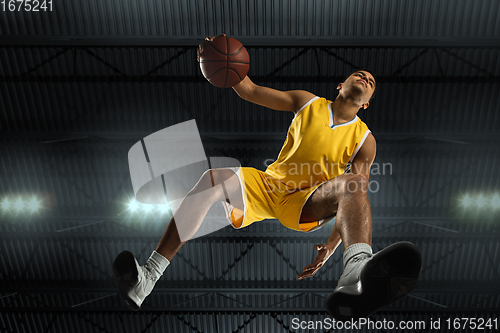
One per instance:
[(371, 282), (134, 282)]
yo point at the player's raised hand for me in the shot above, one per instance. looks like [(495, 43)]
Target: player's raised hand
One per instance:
[(324, 253), (211, 38), (208, 39), (223, 60)]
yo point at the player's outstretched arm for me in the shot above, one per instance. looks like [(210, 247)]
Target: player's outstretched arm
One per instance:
[(325, 251), (365, 157), (274, 99)]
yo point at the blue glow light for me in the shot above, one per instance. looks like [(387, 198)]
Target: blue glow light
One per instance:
[(495, 201), (481, 201), (135, 208), (466, 201), (133, 205), (147, 208), (19, 204), (163, 208), (5, 204), (33, 205)]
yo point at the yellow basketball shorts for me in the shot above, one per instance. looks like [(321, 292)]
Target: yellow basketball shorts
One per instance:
[(265, 197)]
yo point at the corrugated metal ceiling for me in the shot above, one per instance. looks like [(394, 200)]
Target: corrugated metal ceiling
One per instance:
[(80, 85), (264, 18)]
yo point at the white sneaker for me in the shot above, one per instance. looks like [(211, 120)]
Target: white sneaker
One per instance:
[(134, 282), (350, 281), (371, 282)]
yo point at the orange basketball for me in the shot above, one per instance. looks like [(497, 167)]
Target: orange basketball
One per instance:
[(224, 61)]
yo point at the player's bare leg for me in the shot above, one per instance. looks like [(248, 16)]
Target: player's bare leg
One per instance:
[(347, 197), (214, 185), (369, 282), (136, 282)]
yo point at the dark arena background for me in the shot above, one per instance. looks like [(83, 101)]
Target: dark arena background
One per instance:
[(82, 81)]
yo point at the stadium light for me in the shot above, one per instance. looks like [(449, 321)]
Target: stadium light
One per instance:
[(133, 205), (33, 205), (466, 201), (147, 208), (164, 208), (495, 201), (5, 204), (19, 204), (481, 201)]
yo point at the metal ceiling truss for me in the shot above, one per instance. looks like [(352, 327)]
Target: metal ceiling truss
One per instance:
[(255, 41), (7, 139), (228, 237), (51, 223), (215, 281), (256, 78), (251, 312), (31, 320), (148, 76), (48, 290), (231, 310), (122, 148)]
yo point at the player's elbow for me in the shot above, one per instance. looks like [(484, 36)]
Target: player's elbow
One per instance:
[(356, 183), (361, 177)]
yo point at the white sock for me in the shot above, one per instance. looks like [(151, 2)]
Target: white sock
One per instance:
[(157, 264), (355, 250)]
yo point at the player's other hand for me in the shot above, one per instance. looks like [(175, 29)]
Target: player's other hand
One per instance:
[(208, 39), (324, 253), (211, 38)]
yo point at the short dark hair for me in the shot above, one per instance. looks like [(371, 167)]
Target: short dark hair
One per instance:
[(365, 70)]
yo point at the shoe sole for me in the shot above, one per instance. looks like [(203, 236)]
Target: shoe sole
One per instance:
[(125, 274), (389, 276)]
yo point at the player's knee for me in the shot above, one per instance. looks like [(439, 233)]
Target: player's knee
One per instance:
[(217, 177), (355, 184), (206, 176)]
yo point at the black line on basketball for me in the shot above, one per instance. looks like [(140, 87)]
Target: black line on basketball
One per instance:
[(231, 61), (229, 68), (216, 49), (220, 69), (237, 50), (227, 57)]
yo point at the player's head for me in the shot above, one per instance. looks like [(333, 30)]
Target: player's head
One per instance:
[(359, 85)]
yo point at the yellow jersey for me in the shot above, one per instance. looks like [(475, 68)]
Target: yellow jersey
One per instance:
[(316, 150)]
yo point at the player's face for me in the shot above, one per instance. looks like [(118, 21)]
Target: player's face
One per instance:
[(364, 78), (360, 83)]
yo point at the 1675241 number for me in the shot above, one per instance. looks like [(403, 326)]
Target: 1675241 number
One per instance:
[(26, 5), (472, 323)]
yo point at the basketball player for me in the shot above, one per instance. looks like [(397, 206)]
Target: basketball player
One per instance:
[(305, 187)]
